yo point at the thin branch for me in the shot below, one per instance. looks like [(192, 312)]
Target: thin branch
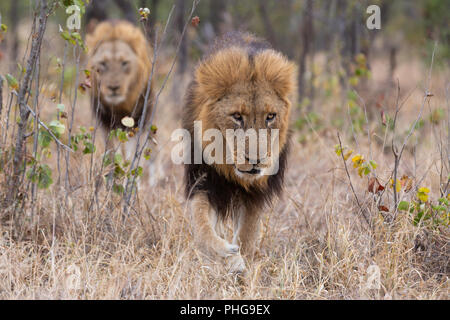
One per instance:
[(350, 181)]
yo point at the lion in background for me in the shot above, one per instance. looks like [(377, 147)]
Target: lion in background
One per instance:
[(120, 61), (119, 58), (241, 84)]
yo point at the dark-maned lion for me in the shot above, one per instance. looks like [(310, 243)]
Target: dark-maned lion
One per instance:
[(241, 84), (120, 64)]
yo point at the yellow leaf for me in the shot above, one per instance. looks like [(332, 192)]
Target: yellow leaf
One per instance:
[(424, 190), (360, 171), (422, 194), (357, 160), (398, 185), (348, 154)]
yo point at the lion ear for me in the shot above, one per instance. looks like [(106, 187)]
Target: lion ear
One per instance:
[(216, 75), (276, 69), (91, 25)]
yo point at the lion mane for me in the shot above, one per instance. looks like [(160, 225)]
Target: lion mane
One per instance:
[(237, 58), (114, 31)]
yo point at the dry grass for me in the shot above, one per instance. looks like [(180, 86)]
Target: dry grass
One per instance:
[(313, 245)]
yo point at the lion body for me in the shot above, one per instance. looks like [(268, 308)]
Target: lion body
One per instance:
[(120, 64), (241, 75)]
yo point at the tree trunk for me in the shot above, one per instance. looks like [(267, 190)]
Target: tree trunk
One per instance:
[(153, 18), (269, 30), (180, 22), (18, 160), (96, 12), (127, 9), (306, 33), (216, 13), (14, 36)]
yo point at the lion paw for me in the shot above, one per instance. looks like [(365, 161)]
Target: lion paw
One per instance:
[(236, 264), (225, 249)]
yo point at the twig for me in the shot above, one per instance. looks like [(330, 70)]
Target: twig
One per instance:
[(61, 88), (350, 181), (74, 104), (397, 154)]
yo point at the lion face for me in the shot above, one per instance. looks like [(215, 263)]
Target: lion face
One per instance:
[(116, 67), (249, 95), (252, 111)]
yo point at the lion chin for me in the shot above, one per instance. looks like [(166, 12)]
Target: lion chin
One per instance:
[(251, 175), (114, 100), (241, 84)]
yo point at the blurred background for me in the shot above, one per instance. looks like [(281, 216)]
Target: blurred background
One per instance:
[(329, 41)]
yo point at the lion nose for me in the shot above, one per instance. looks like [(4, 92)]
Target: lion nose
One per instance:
[(113, 88), (252, 161)]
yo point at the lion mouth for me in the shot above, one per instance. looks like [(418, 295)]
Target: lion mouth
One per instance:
[(252, 171)]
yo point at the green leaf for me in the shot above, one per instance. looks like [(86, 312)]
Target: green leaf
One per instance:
[(89, 147), (366, 170), (118, 160), (57, 128), (60, 107), (119, 172), (44, 138), (403, 205), (137, 172), (12, 82), (42, 175), (118, 188), (107, 160), (351, 95), (122, 136), (45, 177), (76, 35), (66, 35), (147, 153)]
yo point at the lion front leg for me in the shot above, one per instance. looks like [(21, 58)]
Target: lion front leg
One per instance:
[(247, 231), (204, 220)]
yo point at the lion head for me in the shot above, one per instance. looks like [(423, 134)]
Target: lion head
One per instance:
[(119, 59), (247, 88)]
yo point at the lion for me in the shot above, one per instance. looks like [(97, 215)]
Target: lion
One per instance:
[(241, 83), (120, 62)]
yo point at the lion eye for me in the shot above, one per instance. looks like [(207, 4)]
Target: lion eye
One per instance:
[(102, 65), (237, 116), (271, 116), (124, 63)]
